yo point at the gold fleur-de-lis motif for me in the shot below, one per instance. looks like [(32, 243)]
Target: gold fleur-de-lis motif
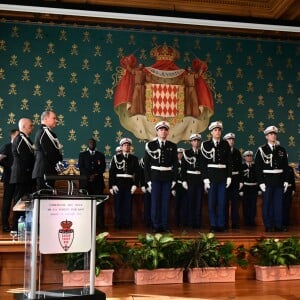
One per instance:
[(251, 140), (280, 101), (260, 101), (108, 66), (1, 103), (119, 136), (85, 92), (197, 44), (38, 62), (61, 120), (131, 40), (61, 91), (25, 75), (143, 55), (271, 114), (49, 106), (298, 104), (229, 86), (96, 135), (24, 104), (278, 50), (96, 107), (269, 62), (83, 147), (39, 34), (2, 74), (107, 151), (291, 115), (289, 63), (229, 60), (229, 113), (50, 49), (219, 98), (3, 45), (97, 79), (63, 35), (281, 128), (50, 76), (84, 121), (186, 57), (219, 72), (13, 60), (72, 135), (36, 119), (120, 52), (109, 38), (290, 89), (239, 73), (261, 126), (270, 88), (260, 74), (208, 58), (240, 99), (108, 93), (154, 41), (98, 51), (12, 89), (86, 36), (107, 122), (175, 42), (73, 78), (62, 63), (291, 142), (249, 61), (11, 118), (1, 133), (259, 48), (73, 106), (250, 87), (240, 126), (74, 50), (85, 64), (250, 113), (218, 46), (279, 75), (15, 32), (239, 47), (26, 47)]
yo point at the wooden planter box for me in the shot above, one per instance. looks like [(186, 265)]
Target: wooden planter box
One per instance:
[(203, 275), (82, 278), (274, 273), (158, 276)]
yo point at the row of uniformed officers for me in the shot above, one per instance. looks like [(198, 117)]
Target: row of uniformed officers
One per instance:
[(214, 166)]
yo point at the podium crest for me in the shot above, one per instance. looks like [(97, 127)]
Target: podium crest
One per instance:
[(66, 235)]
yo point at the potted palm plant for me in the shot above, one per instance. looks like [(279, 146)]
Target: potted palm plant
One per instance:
[(109, 256), (209, 260), (276, 259), (156, 259)]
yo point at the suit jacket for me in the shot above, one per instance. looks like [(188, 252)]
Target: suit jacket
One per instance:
[(6, 162), (23, 162), (47, 153), (236, 167), (191, 162), (93, 166)]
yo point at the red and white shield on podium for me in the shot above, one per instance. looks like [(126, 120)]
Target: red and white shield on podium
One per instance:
[(66, 235)]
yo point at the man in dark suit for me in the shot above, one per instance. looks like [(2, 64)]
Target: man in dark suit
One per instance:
[(47, 150), (21, 170), (160, 174), (92, 164), (6, 160)]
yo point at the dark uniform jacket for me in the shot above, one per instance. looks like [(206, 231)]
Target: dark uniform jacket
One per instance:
[(269, 165), (221, 156), (23, 162), (236, 167), (6, 162), (120, 167), (249, 176), (47, 153), (191, 167), (157, 157), (92, 165)]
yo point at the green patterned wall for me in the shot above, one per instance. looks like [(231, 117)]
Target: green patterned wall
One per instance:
[(72, 70)]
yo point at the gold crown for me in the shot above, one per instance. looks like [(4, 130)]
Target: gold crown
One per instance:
[(66, 225), (164, 52)]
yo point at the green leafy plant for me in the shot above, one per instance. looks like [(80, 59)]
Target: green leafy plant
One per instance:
[(276, 252), (156, 251), (207, 251), (109, 255)]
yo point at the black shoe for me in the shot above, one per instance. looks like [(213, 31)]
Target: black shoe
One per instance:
[(213, 229), (6, 229)]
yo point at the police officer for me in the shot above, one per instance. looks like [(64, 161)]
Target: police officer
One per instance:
[(193, 183), (124, 175), (215, 165), (160, 174), (232, 195), (249, 191), (271, 165)]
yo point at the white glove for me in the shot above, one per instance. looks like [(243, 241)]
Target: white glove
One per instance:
[(173, 192), (285, 186), (115, 189), (173, 184), (185, 185), (259, 192), (59, 167), (143, 189), (206, 184), (241, 185), (262, 187), (228, 182), (293, 193), (241, 194), (111, 191), (149, 188), (133, 189)]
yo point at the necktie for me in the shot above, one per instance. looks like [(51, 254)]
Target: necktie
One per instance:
[(217, 143)]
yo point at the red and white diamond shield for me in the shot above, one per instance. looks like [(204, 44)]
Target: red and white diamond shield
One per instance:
[(66, 238), (164, 99)]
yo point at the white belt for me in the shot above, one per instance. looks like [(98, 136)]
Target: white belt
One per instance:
[(275, 171), (161, 168), (193, 172), (219, 166), (125, 175), (250, 183), (179, 181), (235, 173)]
